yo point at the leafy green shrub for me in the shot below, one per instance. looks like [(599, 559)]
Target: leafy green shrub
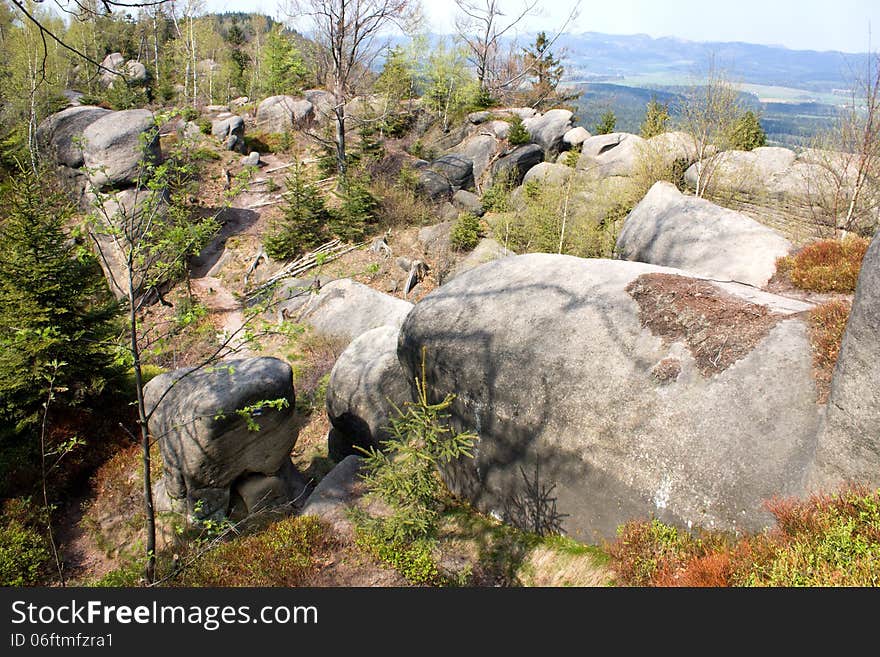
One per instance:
[(656, 119), (24, 555), (571, 158), (518, 134), (497, 197), (466, 232), (204, 126), (826, 265), (304, 218)]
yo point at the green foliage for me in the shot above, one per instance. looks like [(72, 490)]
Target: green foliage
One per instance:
[(518, 134), (571, 158), (606, 123), (283, 69), (53, 307), (466, 232), (747, 132), (399, 76), (451, 87), (546, 70), (123, 95), (23, 555), (656, 119), (404, 474), (304, 218), (412, 559), (497, 197), (357, 211)]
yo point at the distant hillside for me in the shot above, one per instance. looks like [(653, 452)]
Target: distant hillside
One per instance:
[(594, 56)]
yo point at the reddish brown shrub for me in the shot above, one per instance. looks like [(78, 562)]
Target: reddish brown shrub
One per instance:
[(826, 265), (827, 325)]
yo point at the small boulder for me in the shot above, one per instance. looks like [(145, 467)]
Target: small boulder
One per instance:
[(284, 113), (609, 155), (549, 173), (548, 129), (365, 385), (468, 202), (433, 185), (479, 117), (458, 170), (336, 493), (223, 128), (344, 309), (203, 419), (517, 163), (480, 150), (252, 159), (135, 71), (575, 137)]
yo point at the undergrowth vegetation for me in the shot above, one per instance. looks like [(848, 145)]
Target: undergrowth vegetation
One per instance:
[(826, 265), (827, 326), (826, 540)]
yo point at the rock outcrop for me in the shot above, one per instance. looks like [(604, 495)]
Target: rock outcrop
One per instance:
[(609, 155), (548, 129), (217, 430), (567, 378), (284, 113), (517, 163), (60, 135), (670, 229)]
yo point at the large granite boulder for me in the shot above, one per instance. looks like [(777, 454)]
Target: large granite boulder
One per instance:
[(742, 171), (216, 430), (548, 129), (586, 412), (575, 137), (480, 149), (345, 309), (674, 230), (116, 145), (849, 444), (284, 113), (366, 384), (60, 135), (485, 251), (517, 163), (548, 173)]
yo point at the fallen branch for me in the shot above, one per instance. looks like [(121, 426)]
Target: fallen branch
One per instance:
[(325, 253), (279, 168)]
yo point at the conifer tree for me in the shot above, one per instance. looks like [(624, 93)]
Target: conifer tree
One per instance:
[(304, 223), (656, 119), (606, 123), (747, 132), (546, 70), (54, 306)]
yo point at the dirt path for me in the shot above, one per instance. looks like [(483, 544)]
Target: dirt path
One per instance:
[(84, 561)]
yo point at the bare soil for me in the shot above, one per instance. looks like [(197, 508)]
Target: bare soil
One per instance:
[(718, 328)]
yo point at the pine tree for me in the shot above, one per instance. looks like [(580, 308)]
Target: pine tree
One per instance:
[(54, 305), (747, 132), (656, 118), (283, 67), (606, 123), (546, 69), (304, 223), (518, 134)]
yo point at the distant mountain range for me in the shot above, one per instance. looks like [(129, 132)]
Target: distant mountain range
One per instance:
[(606, 57)]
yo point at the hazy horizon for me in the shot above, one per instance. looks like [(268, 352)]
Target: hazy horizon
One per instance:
[(793, 24)]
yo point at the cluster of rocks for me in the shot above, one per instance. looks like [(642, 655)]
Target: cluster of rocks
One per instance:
[(115, 65)]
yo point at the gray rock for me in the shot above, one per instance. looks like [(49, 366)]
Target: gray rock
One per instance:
[(284, 113), (216, 109), (323, 103), (497, 129), (251, 160), (486, 250), (255, 493), (611, 155), (448, 212), (435, 239), (234, 143), (116, 145), (548, 129), (223, 128), (345, 309), (60, 135), (616, 443), (744, 171), (205, 442), (135, 71), (468, 202), (338, 491), (365, 385), (522, 112), (480, 150), (849, 443), (549, 173), (111, 67), (433, 185), (458, 170), (518, 162), (113, 212), (673, 230), (478, 117), (671, 146), (575, 137)]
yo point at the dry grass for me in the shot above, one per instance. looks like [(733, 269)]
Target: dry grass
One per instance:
[(827, 326)]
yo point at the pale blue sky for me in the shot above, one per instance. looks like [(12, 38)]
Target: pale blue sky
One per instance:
[(802, 24)]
